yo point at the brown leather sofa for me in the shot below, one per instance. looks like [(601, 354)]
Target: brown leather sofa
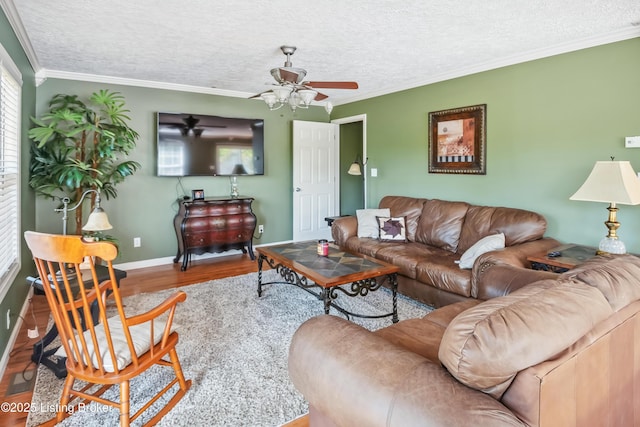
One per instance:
[(562, 352), (438, 233)]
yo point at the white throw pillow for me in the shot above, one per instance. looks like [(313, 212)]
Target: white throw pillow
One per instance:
[(368, 223), (486, 244)]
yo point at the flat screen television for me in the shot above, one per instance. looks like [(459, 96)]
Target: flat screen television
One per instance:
[(201, 145)]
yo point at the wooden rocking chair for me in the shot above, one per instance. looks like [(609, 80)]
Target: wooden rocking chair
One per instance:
[(115, 349)]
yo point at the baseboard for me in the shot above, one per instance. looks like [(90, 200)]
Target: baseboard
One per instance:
[(14, 334), (154, 262)]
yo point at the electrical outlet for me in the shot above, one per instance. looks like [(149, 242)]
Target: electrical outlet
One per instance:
[(8, 319), (261, 229), (137, 242)]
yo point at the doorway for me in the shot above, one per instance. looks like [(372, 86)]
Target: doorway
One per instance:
[(353, 146), (315, 182)]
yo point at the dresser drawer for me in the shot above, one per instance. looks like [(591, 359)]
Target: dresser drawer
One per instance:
[(202, 224), (213, 237), (197, 209)]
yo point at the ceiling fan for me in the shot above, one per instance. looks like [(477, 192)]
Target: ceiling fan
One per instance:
[(191, 125), (292, 89)]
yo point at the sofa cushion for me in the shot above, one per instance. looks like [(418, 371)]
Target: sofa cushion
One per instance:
[(367, 223), (423, 335), (407, 256), (487, 345), (392, 228), (486, 244), (366, 246), (517, 225), (440, 271), (409, 207), (441, 223), (616, 276), (416, 335)]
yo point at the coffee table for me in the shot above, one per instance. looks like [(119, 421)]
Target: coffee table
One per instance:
[(299, 264)]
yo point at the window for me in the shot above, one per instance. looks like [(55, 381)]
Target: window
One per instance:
[(171, 159), (10, 95), (229, 156)]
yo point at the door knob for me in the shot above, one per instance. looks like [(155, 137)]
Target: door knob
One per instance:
[(298, 189)]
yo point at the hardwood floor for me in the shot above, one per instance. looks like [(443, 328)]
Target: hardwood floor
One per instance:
[(141, 280)]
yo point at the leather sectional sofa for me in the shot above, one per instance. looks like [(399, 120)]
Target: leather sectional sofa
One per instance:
[(556, 352), (438, 233)]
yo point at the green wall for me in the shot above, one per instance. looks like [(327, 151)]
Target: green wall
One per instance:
[(146, 204), (548, 122), (16, 295)]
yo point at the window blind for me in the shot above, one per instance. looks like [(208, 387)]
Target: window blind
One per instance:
[(10, 96)]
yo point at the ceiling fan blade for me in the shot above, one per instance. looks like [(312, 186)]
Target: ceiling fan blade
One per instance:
[(320, 96), (288, 74), (332, 85)]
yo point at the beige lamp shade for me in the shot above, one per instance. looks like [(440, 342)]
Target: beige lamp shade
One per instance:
[(354, 169), (98, 221), (610, 182)]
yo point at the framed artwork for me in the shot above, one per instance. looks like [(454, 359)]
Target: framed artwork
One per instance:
[(457, 140), (197, 194)]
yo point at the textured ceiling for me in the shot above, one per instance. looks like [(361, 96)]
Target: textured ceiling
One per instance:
[(384, 45)]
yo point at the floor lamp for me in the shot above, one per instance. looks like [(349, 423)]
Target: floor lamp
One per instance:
[(97, 221)]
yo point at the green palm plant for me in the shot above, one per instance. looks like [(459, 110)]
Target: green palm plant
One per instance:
[(78, 146)]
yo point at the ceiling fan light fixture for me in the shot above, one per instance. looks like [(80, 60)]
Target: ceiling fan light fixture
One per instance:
[(282, 93), (307, 96), (295, 98), (328, 107), (269, 98), (294, 101)]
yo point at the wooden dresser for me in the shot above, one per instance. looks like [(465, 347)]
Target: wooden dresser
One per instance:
[(214, 224)]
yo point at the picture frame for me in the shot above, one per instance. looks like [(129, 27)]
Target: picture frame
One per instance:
[(197, 194), (457, 140)]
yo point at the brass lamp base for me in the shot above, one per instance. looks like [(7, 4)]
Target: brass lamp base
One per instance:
[(611, 244)]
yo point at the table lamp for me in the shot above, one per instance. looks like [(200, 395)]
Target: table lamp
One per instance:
[(238, 169), (612, 182)]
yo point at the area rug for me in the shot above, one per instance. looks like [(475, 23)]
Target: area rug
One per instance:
[(234, 346)]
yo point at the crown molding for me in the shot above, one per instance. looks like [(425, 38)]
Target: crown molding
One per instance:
[(584, 43), (95, 78), (9, 9)]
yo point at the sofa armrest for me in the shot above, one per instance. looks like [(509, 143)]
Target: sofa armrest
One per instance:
[(502, 279), (354, 377), (343, 228), (498, 273)]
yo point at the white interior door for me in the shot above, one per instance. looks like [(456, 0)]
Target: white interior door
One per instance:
[(315, 182)]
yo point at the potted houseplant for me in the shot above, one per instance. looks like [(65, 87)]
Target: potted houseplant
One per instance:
[(79, 146)]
